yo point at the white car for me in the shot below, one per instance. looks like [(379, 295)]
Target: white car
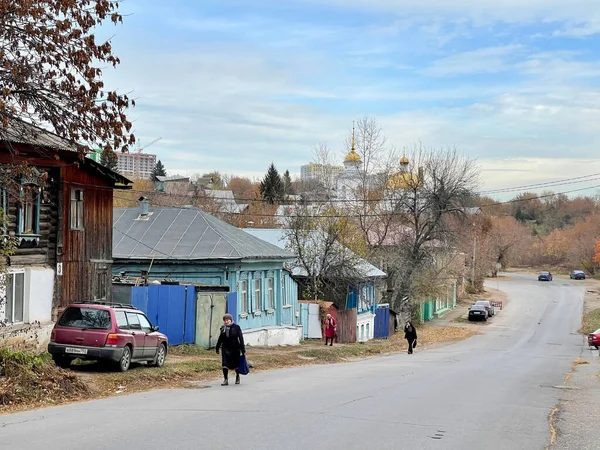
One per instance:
[(488, 307)]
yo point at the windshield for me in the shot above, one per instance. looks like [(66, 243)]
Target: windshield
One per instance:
[(86, 318)]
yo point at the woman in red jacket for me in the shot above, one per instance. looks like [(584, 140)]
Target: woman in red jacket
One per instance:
[(330, 329)]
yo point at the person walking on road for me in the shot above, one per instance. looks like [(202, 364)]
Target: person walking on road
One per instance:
[(231, 341), (330, 329), (410, 334)]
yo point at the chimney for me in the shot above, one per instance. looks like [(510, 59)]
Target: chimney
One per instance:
[(144, 205)]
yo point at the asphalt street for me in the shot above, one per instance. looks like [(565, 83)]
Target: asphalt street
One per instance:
[(492, 391)]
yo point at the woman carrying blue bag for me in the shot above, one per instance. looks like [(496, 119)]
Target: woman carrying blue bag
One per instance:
[(231, 343)]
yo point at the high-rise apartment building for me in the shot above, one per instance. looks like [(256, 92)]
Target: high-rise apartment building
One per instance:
[(136, 165), (321, 172)]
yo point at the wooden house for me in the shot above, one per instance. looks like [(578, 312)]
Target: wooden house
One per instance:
[(361, 296), (61, 220), (191, 246)]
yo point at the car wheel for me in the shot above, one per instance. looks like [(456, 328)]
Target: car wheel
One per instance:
[(125, 360), (161, 355), (61, 361)]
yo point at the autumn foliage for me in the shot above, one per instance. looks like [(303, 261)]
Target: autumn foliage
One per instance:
[(51, 65)]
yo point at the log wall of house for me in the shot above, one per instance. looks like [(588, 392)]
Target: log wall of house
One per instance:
[(86, 254), (44, 253)]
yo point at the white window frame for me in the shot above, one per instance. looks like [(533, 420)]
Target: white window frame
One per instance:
[(11, 320), (243, 290), (257, 294), (270, 293)]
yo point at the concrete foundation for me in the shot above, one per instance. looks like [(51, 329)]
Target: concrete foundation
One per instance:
[(273, 336)]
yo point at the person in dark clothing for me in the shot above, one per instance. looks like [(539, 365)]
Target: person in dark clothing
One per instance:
[(231, 341), (410, 334)]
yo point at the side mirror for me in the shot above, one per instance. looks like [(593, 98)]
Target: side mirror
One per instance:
[(154, 328)]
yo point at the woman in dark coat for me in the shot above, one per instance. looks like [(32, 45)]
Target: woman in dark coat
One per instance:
[(231, 341), (410, 334)]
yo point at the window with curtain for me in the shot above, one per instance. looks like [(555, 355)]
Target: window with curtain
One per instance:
[(29, 209), (257, 295)]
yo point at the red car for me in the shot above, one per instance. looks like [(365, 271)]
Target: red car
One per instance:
[(594, 339), (106, 332)]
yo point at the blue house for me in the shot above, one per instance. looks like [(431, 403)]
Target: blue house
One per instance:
[(189, 245), (362, 296)]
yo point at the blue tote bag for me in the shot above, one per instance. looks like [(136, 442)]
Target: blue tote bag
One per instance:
[(243, 369)]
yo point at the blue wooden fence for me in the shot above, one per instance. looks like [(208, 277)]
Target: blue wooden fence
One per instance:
[(172, 308), (382, 322), (232, 305)]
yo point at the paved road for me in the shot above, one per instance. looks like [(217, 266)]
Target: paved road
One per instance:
[(493, 391)]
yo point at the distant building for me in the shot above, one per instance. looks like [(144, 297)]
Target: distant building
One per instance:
[(324, 173), (95, 154), (136, 165)]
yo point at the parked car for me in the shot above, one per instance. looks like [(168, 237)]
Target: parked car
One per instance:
[(545, 276), (577, 275), (106, 332), (478, 312), (594, 339), (488, 307)]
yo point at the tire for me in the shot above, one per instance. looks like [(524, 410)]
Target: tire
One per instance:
[(161, 356), (62, 361), (125, 360)]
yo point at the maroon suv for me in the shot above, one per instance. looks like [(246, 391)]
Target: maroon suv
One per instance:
[(106, 332)]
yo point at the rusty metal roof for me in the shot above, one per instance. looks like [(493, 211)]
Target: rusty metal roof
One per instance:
[(20, 132)]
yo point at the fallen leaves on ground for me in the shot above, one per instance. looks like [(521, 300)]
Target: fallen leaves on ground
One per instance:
[(590, 322), (28, 379), (188, 363)]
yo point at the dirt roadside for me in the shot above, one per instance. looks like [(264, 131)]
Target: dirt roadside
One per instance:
[(191, 366)]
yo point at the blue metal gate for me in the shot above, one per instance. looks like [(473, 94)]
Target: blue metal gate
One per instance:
[(382, 322), (171, 307), (232, 305)]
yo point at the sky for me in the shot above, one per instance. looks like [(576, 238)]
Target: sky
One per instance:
[(232, 85)]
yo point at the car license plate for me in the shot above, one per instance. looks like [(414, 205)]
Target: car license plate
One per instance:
[(476, 312), (76, 351)]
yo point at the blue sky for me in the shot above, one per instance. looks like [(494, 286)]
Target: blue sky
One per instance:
[(232, 85)]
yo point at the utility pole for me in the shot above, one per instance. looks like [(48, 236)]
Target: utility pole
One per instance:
[(473, 263)]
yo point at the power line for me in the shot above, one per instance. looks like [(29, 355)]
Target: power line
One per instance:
[(581, 179), (316, 216)]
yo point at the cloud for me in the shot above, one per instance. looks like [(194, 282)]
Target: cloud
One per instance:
[(518, 172), (581, 29), (478, 12), (233, 90), (483, 60)]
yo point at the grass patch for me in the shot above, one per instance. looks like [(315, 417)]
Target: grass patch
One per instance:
[(28, 378), (590, 322), (340, 353), (185, 350), (32, 380)]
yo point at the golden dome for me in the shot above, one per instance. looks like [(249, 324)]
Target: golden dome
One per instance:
[(404, 161), (403, 180), (352, 157)]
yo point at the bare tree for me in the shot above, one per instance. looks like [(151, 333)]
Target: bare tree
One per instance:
[(433, 186), (316, 236)]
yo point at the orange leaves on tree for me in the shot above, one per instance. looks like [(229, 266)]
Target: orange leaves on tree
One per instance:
[(597, 252)]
